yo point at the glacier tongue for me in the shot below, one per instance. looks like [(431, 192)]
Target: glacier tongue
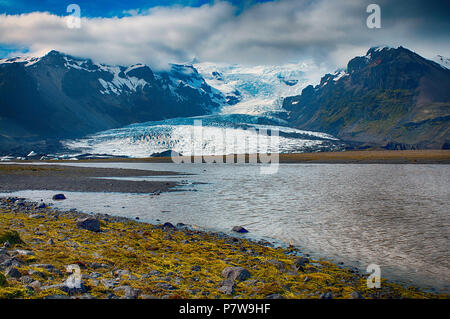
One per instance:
[(258, 90), (218, 135)]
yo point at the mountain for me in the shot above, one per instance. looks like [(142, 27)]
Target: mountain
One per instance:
[(390, 97), (59, 96)]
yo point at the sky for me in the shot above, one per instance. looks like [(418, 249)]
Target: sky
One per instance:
[(250, 32)]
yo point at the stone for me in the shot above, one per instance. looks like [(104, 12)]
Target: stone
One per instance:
[(89, 223), (35, 285), (26, 279), (236, 273), (13, 272), (227, 290), (196, 268), (168, 225), (300, 262), (59, 197), (36, 216), (57, 297), (129, 292), (165, 286), (239, 229), (326, 295), (356, 295)]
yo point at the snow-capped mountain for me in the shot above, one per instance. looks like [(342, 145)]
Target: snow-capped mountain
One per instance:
[(61, 96), (442, 60), (390, 97), (258, 90), (205, 135)]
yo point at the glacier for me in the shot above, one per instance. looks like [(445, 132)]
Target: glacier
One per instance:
[(258, 90), (248, 119), (219, 134)]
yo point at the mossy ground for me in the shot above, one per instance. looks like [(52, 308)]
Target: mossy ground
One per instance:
[(141, 248)]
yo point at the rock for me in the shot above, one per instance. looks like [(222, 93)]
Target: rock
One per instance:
[(356, 295), (239, 229), (35, 285), (196, 268), (13, 272), (227, 290), (129, 292), (89, 223), (36, 216), (274, 296), (59, 197), (236, 273), (26, 279), (168, 225), (165, 286), (326, 295), (122, 273), (300, 262), (42, 205), (50, 242), (24, 252)]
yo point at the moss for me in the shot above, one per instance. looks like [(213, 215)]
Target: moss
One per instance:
[(10, 236), (2, 280), (140, 248)]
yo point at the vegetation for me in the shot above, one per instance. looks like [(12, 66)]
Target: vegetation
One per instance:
[(166, 262)]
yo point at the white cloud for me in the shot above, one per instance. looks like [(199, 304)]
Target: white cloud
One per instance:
[(268, 33)]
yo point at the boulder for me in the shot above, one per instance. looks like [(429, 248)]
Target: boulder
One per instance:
[(236, 273), (326, 295), (59, 197), (89, 223), (13, 272), (300, 262), (239, 229)]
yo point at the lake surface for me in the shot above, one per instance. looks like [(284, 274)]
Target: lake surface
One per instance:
[(396, 216)]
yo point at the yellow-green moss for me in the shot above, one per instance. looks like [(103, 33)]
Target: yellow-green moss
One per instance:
[(10, 236), (140, 247)]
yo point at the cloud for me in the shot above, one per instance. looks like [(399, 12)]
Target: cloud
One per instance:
[(329, 31)]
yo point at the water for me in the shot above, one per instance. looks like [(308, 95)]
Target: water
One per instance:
[(396, 216)]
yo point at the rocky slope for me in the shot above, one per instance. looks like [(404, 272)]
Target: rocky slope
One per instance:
[(390, 97), (60, 96)]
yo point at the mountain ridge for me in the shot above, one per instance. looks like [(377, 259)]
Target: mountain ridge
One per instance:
[(60, 96), (391, 97)]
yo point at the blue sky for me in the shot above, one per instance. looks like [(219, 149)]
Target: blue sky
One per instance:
[(106, 8)]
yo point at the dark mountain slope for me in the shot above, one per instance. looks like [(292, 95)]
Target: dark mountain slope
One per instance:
[(390, 97), (58, 96)]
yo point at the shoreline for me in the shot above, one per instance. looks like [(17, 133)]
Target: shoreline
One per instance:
[(19, 177), (132, 259), (345, 157)]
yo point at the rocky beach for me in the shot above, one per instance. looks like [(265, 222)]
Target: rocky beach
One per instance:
[(124, 258)]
